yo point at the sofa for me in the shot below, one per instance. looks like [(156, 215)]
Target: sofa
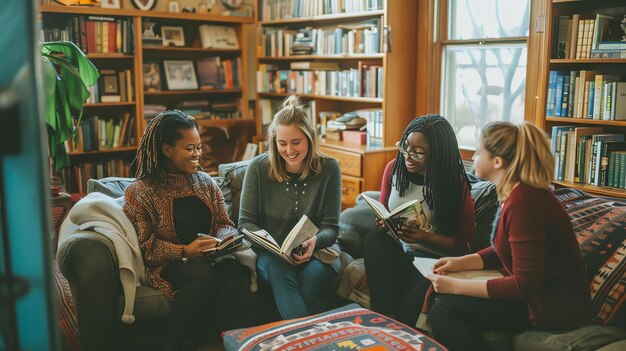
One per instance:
[(89, 263), (600, 226)]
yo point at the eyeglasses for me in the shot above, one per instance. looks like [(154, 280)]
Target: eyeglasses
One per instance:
[(415, 156)]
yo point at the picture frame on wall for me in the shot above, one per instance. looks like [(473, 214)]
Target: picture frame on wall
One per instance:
[(172, 36), (173, 6), (143, 4), (180, 74)]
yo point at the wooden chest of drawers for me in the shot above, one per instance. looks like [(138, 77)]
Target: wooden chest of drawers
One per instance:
[(361, 167)]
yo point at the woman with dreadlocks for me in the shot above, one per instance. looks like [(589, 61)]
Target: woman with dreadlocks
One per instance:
[(170, 203), (428, 168)]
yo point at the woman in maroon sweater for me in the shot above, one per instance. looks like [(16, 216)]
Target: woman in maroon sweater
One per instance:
[(428, 168), (544, 284)]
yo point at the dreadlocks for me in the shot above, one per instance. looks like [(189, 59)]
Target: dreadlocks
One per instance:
[(445, 181), (162, 129)]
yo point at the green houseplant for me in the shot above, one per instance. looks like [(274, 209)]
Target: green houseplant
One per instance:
[(67, 73)]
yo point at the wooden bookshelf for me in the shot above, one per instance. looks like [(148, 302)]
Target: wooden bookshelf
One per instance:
[(55, 16), (362, 165), (586, 9)]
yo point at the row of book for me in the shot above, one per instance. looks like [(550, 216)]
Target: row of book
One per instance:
[(278, 9), (113, 86), (579, 37), (94, 34), (102, 133), (200, 109), (347, 39), (365, 81), (76, 176), (587, 155), (586, 94)]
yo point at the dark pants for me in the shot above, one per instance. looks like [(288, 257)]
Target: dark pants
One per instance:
[(457, 320), (203, 291), (397, 288)]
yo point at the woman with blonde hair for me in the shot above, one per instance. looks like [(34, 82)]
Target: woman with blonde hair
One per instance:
[(533, 244), (293, 179)]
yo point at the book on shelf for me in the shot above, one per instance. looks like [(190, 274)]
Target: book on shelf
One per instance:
[(228, 245), (314, 66), (409, 214), (218, 37), (209, 73), (302, 231), (425, 265)]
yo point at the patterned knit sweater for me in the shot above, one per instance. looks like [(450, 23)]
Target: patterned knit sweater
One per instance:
[(149, 206)]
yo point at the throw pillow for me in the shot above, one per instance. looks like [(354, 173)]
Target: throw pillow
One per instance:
[(354, 224), (234, 174), (600, 228), (346, 328), (110, 186)]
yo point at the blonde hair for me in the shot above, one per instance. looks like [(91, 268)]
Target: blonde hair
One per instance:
[(293, 113), (525, 150)]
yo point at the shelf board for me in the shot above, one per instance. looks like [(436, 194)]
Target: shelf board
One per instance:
[(186, 92), (587, 61), (86, 10), (331, 17), (109, 104), (111, 56), (586, 121), (325, 97), (601, 190), (184, 49), (323, 57), (95, 152)]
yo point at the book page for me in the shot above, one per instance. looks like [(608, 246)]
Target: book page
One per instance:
[(302, 231), (262, 238), (378, 208), (425, 265), (410, 214)]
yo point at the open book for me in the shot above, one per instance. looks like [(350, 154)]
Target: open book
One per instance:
[(425, 265), (231, 243), (302, 231), (409, 214)]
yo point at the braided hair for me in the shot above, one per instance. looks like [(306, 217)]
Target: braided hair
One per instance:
[(162, 129), (445, 181)]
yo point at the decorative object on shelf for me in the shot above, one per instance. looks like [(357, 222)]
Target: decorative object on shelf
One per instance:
[(172, 36), (205, 6), (218, 37), (232, 4), (110, 4), (180, 74), (173, 6), (151, 76), (144, 4), (189, 9), (149, 37), (623, 26), (66, 92)]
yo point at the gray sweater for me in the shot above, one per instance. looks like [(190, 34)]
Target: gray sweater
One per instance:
[(277, 207)]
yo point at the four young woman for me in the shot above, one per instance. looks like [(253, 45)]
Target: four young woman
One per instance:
[(533, 242)]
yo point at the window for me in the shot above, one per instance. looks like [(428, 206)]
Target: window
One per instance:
[(484, 51)]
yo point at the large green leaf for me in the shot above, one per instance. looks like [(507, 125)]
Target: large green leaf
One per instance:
[(67, 73)]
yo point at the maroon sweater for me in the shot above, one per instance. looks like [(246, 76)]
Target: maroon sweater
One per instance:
[(465, 234), (535, 244)]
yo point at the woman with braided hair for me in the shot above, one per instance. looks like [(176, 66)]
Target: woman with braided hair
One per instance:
[(170, 203), (428, 167)]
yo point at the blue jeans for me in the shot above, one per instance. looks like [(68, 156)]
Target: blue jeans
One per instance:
[(298, 290)]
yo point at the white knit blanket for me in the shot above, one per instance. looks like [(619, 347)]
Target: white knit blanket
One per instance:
[(104, 215)]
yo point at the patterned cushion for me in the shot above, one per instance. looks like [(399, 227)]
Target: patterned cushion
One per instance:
[(346, 328), (233, 173), (600, 227)]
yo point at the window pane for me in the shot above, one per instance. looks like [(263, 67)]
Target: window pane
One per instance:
[(475, 19), (482, 84)]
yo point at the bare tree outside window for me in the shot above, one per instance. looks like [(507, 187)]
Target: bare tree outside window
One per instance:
[(484, 67)]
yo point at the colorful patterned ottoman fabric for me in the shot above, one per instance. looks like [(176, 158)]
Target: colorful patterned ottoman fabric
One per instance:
[(600, 227), (347, 328)]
